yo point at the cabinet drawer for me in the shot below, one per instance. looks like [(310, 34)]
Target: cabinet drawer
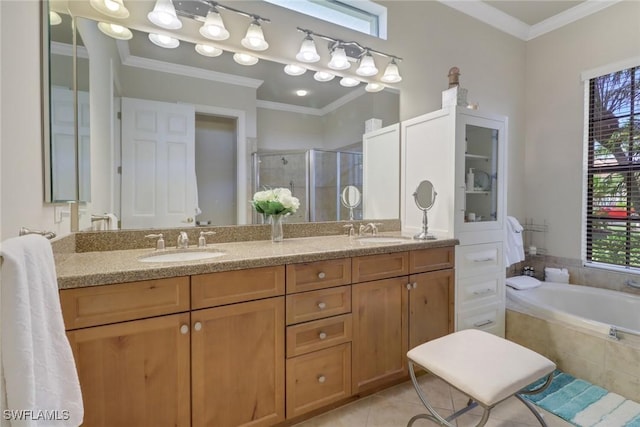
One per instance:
[(431, 259), (318, 275), (473, 260), (374, 267), (489, 318), (227, 287), (479, 289), (100, 305), (318, 304), (317, 379), (319, 334)]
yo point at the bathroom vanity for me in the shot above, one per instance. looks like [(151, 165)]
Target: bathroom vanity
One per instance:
[(265, 335)]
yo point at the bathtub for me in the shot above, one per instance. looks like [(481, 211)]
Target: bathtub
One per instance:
[(590, 333), (601, 310)]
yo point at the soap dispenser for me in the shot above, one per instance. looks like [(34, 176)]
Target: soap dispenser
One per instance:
[(470, 180)]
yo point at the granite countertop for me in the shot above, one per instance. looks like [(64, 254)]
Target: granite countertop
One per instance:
[(120, 266)]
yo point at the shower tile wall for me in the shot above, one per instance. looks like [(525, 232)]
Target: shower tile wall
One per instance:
[(287, 171)]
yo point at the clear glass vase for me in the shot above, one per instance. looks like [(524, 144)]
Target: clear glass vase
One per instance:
[(276, 228)]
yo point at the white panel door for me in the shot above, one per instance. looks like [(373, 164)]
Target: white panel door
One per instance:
[(158, 164), (381, 173)]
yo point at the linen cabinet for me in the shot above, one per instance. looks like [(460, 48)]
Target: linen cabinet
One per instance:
[(462, 152)]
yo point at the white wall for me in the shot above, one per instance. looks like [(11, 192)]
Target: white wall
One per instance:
[(429, 36), (283, 130), (555, 116)]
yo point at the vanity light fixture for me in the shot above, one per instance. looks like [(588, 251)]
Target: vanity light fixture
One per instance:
[(374, 87), (164, 15), (208, 50), (244, 58), (294, 70), (112, 8), (349, 82), (213, 27), (367, 66), (391, 74), (164, 41), (254, 39), (308, 52), (116, 31), (323, 76), (54, 18), (339, 60)]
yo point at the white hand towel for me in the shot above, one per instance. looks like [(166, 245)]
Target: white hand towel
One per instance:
[(514, 246), (37, 361)]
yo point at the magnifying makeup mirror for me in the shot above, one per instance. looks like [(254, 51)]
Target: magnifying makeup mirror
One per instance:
[(425, 197), (351, 199)]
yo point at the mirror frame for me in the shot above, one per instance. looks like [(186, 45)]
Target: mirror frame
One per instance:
[(45, 91)]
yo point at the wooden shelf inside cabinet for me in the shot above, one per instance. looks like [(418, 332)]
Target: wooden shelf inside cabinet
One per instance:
[(476, 156)]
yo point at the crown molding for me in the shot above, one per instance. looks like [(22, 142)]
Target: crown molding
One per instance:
[(289, 108), (65, 49), (183, 70), (504, 22)]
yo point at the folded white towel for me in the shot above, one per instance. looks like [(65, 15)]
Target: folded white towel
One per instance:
[(556, 275), (37, 361), (513, 245)]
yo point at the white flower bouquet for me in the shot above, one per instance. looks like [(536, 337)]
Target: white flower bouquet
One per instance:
[(276, 201)]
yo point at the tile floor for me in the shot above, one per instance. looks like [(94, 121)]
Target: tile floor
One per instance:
[(394, 407)]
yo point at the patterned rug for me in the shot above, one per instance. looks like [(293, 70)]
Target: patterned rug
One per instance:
[(584, 404)]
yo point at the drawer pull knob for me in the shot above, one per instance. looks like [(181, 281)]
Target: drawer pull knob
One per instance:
[(322, 305), (414, 285), (322, 379), (483, 323), (197, 326), (483, 292), (408, 286), (322, 335), (321, 275), (184, 329)]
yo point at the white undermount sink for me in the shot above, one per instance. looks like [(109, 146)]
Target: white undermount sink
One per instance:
[(382, 239), (180, 256)]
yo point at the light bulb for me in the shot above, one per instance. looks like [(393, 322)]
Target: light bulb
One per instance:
[(391, 74), (367, 66), (208, 50), (323, 76), (349, 82), (116, 31), (294, 70), (308, 52), (112, 8), (339, 60), (245, 58), (213, 27), (54, 18), (254, 39), (164, 41), (373, 87), (164, 15)]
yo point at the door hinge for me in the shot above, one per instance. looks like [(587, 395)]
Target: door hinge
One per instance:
[(120, 170), (119, 115)]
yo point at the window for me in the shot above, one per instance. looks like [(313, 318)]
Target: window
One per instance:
[(613, 170), (359, 15)]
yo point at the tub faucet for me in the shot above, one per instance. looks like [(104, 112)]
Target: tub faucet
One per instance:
[(372, 226), (183, 240)]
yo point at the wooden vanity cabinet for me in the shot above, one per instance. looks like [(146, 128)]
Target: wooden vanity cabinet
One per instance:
[(132, 372)]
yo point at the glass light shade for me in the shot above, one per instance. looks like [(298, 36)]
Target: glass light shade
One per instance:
[(112, 8), (294, 70), (54, 18), (367, 66), (245, 59), (254, 39), (164, 41), (213, 27), (373, 87), (164, 15), (308, 52), (116, 31), (208, 50), (339, 60), (323, 76), (391, 74), (349, 82)]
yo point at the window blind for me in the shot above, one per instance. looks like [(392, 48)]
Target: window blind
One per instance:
[(613, 171)]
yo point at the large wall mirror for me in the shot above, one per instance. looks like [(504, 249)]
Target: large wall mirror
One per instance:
[(171, 138)]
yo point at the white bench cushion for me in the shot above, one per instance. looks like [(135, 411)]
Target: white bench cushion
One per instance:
[(485, 367)]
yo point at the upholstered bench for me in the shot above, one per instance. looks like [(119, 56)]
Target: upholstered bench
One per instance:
[(486, 368)]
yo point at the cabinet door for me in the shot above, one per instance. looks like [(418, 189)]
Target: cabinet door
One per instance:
[(380, 332), (135, 373), (238, 364), (431, 306)]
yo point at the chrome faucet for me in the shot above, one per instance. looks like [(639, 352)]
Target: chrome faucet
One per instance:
[(183, 240), (372, 226)]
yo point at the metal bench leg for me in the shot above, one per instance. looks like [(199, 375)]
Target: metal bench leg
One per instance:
[(530, 405)]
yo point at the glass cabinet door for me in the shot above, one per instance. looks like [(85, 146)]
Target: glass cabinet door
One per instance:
[(481, 172)]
